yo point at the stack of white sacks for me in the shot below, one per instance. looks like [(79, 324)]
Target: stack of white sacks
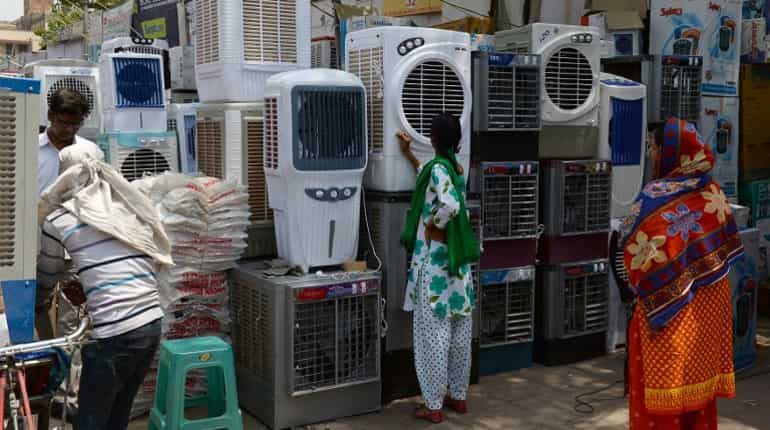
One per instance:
[(205, 219)]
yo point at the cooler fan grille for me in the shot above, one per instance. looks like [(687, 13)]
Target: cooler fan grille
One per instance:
[(569, 78), (7, 180), (83, 85), (252, 312), (138, 82), (335, 342), (585, 303), (430, 88)]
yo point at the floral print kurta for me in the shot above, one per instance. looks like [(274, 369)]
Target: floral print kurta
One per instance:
[(429, 272)]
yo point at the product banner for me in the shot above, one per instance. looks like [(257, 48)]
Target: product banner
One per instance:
[(157, 19)]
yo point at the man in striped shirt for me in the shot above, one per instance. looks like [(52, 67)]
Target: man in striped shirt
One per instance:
[(121, 294)]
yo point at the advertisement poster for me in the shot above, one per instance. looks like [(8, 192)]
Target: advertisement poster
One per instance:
[(410, 7), (106, 25), (157, 19)]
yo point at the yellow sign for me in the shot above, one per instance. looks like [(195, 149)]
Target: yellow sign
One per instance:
[(206, 356), (410, 7), (154, 28)]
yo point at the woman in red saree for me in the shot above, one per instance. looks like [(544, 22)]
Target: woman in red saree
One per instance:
[(678, 247)]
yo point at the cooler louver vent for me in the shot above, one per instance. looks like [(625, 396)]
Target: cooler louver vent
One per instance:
[(258, 204), (367, 65), (8, 222), (270, 31), (207, 25), (210, 147)]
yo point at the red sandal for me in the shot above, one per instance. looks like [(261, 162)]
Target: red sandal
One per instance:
[(434, 416), (458, 406)]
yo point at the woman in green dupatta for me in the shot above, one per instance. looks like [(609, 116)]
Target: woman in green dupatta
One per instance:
[(439, 290)]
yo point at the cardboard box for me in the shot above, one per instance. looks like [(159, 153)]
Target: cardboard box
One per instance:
[(638, 6), (756, 196), (744, 278), (753, 45), (711, 29), (754, 9), (622, 28), (471, 24), (718, 124), (755, 122)]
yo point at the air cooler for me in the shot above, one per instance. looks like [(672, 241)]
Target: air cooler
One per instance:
[(139, 45), (19, 118), (314, 158), (506, 302), (744, 280), (506, 102), (79, 75), (571, 312), (575, 201), (570, 73), (139, 154), (132, 92), (181, 120), (675, 89), (410, 74), (385, 214), (323, 53), (240, 43), (230, 146), (623, 137), (618, 313), (182, 68), (509, 213), (307, 348)]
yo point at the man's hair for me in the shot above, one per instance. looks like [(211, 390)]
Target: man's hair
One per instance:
[(69, 101)]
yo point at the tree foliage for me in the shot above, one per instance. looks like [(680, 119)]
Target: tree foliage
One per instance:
[(68, 12)]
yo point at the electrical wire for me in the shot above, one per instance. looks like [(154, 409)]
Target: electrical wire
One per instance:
[(327, 13), (587, 406)]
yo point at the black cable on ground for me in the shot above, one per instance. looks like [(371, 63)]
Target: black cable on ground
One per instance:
[(587, 406)]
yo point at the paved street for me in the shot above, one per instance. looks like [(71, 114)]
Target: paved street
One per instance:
[(544, 398)]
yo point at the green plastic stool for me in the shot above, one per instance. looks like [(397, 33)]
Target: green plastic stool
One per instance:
[(177, 358)]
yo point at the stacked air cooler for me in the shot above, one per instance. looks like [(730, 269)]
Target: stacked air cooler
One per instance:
[(622, 137), (238, 45), (504, 166), (19, 105), (410, 74), (229, 145), (307, 349), (575, 182), (135, 137), (744, 280), (79, 75)]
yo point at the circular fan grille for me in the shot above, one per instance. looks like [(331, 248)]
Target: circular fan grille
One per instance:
[(76, 84), (568, 78), (143, 162), (430, 88), (135, 83)]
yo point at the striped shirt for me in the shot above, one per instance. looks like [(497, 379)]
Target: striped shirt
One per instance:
[(119, 281)]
